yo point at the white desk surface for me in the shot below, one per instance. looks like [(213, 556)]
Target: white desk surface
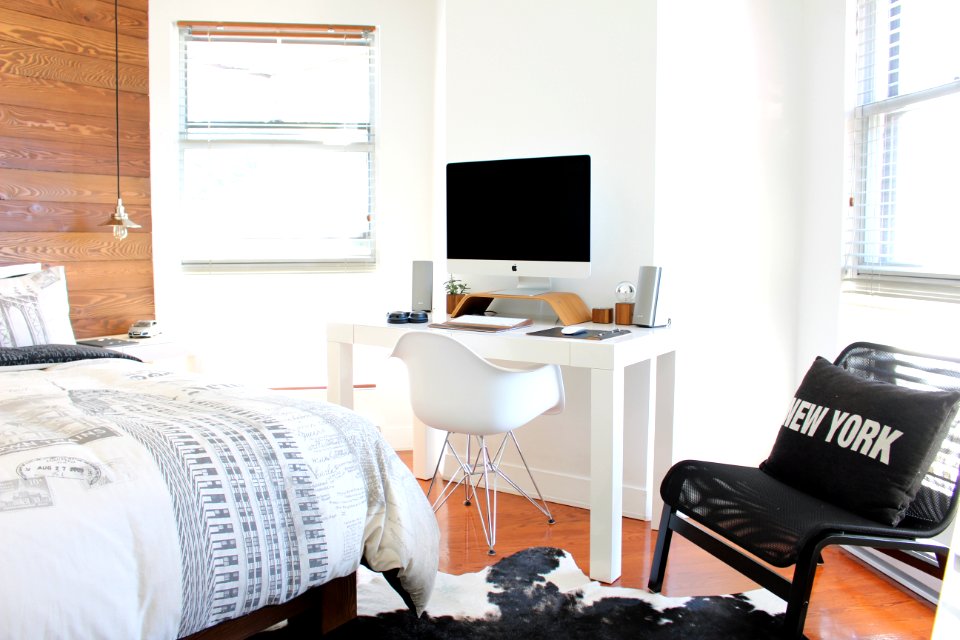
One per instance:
[(606, 361)]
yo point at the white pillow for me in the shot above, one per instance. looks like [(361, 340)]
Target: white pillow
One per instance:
[(35, 309)]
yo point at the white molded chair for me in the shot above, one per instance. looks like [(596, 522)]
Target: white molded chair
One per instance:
[(454, 389)]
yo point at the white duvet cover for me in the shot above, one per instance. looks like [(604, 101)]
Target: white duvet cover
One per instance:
[(139, 503)]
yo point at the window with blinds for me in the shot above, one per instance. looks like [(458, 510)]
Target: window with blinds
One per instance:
[(904, 214), (277, 146)]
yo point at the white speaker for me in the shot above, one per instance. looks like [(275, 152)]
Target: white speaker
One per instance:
[(422, 286), (649, 309)]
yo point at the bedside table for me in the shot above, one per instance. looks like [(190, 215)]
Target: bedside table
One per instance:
[(159, 348)]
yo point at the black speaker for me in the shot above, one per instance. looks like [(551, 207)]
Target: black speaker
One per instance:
[(422, 286)]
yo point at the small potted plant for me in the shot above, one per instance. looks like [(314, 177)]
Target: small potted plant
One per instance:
[(456, 291)]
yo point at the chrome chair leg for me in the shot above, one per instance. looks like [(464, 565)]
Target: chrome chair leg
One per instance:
[(478, 466), (461, 476), (490, 531), (436, 469), (542, 505), (468, 489)]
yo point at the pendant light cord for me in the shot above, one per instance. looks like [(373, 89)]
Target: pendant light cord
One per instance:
[(116, 82)]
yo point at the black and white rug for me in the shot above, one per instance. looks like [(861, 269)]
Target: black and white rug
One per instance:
[(541, 593)]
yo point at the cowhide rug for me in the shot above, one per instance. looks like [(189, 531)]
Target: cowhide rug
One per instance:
[(541, 593)]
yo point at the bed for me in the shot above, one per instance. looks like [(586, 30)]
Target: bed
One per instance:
[(140, 502)]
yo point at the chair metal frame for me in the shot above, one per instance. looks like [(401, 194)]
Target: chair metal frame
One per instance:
[(908, 542), (485, 468)]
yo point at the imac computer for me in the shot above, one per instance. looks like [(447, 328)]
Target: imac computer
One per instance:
[(522, 217)]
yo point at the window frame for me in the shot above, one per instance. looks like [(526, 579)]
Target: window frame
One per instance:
[(251, 134), (867, 271)]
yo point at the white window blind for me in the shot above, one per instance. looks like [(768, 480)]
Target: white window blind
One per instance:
[(277, 146), (904, 214)]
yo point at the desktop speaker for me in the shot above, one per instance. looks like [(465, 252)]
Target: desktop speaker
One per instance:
[(649, 309), (422, 286)]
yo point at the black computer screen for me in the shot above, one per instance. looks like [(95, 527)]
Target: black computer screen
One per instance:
[(522, 209)]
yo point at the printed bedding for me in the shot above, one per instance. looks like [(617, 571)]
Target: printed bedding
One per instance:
[(140, 503)]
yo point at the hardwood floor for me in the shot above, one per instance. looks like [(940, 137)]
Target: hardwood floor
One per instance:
[(849, 599)]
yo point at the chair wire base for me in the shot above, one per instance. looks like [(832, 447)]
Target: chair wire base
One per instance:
[(480, 468)]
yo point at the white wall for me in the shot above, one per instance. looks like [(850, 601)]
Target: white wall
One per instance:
[(730, 102), (828, 51), (269, 329)]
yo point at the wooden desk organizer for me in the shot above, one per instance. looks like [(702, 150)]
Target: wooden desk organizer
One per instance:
[(569, 307)]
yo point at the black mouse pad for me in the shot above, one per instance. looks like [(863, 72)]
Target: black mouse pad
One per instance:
[(589, 334)]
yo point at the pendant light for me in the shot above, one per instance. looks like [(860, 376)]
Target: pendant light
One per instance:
[(118, 219)]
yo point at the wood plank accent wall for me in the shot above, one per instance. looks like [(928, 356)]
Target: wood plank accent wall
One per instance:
[(58, 153)]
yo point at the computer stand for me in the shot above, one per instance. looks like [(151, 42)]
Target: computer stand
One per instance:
[(569, 307)]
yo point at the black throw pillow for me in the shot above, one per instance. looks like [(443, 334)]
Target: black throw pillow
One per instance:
[(38, 355), (860, 444)]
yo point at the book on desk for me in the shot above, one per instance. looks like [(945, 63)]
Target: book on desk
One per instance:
[(483, 323)]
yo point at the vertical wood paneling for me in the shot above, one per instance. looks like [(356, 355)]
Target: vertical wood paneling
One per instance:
[(58, 152)]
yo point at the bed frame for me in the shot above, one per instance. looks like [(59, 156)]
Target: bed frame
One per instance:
[(322, 608)]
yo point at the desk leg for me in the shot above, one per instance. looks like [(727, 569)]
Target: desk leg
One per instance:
[(427, 444), (666, 367), (606, 473), (340, 373)]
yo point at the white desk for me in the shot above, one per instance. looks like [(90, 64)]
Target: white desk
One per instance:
[(606, 360)]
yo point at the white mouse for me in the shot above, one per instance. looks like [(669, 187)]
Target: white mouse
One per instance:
[(572, 330)]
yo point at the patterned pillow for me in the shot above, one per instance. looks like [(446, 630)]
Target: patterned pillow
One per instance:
[(34, 309), (41, 356), (860, 444)]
